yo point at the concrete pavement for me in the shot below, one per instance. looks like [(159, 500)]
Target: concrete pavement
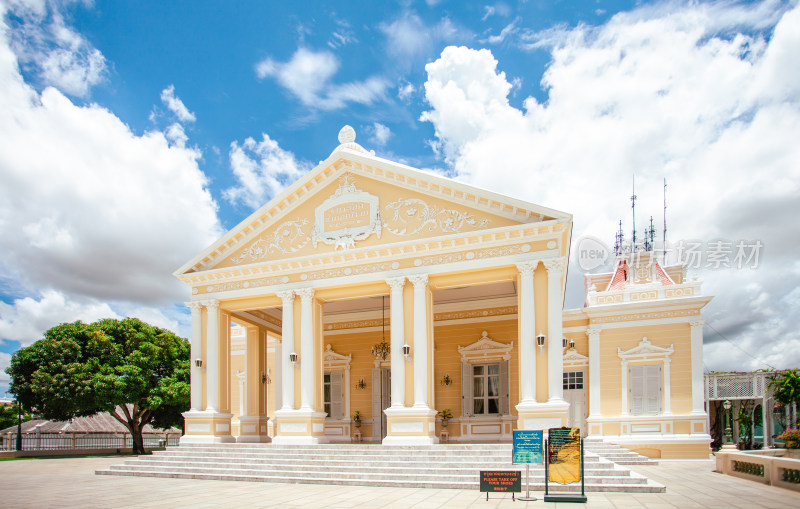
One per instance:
[(71, 482)]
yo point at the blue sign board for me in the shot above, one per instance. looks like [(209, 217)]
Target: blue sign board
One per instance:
[(527, 446)]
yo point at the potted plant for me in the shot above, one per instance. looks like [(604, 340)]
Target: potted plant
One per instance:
[(791, 438), (446, 416), (357, 419)]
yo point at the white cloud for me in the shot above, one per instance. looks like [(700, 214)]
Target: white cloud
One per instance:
[(408, 36), (508, 30), (88, 209), (405, 91), (307, 76), (262, 169), (690, 92), (59, 56), (379, 134), (175, 105)]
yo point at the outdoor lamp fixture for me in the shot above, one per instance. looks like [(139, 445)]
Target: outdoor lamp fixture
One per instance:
[(446, 380), (540, 342), (572, 343), (727, 436), (564, 342), (407, 352), (382, 349), (198, 363), (293, 358), (265, 378), (361, 384)]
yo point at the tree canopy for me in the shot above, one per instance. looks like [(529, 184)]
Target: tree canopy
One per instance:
[(137, 372)]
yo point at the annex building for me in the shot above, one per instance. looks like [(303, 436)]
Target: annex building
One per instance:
[(368, 286)]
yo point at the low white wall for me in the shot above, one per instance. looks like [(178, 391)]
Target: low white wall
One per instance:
[(768, 467)]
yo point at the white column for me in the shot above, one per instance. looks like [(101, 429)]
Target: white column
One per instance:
[(276, 374), (306, 348), (697, 366), (594, 371), (196, 372), (527, 328), (667, 391), (555, 305), (212, 355), (287, 340), (624, 373), (420, 283), (397, 340)]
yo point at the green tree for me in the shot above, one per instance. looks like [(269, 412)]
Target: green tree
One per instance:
[(8, 416), (137, 372), (787, 390)]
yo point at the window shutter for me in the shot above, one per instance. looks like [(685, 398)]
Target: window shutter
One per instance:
[(466, 389), (652, 398), (337, 395), (504, 388), (636, 381)]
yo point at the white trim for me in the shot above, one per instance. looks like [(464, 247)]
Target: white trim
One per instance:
[(485, 350)]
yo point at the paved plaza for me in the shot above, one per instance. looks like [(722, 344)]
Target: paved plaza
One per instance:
[(71, 482)]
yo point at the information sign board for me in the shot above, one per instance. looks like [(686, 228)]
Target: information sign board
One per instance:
[(528, 446)]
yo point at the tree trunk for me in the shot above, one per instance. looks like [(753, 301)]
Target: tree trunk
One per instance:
[(137, 439)]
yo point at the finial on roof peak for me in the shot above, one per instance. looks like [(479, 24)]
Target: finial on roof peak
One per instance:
[(347, 135)]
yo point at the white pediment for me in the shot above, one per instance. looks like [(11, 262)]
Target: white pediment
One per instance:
[(333, 360), (573, 359), (645, 350), (485, 349)]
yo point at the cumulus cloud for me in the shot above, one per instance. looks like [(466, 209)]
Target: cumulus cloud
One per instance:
[(89, 211), (307, 76), (55, 53), (175, 105), (408, 37), (704, 95), (379, 134), (262, 170)]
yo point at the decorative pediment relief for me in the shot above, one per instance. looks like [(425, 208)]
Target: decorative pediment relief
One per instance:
[(573, 359), (333, 360), (645, 350), (485, 350)]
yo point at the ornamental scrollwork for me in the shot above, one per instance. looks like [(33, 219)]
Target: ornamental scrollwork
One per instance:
[(412, 215), (287, 238)]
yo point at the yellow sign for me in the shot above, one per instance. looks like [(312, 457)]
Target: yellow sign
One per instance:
[(564, 454)]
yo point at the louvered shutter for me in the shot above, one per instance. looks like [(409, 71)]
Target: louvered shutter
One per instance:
[(337, 395), (504, 388), (652, 395), (636, 381), (466, 389)]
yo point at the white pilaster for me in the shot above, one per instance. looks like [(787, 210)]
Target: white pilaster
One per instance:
[(420, 283), (624, 378), (397, 339), (555, 303), (306, 349), (667, 385), (527, 326), (212, 355), (697, 366), (196, 373), (276, 375), (594, 371), (287, 340)]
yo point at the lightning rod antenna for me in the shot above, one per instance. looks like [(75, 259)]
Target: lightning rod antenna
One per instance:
[(633, 213), (664, 231)]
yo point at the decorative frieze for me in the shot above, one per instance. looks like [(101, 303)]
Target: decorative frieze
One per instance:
[(287, 238), (412, 215), (646, 316)]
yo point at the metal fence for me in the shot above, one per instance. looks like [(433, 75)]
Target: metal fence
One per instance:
[(68, 441)]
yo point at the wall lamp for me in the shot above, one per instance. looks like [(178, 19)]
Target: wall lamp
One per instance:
[(198, 363), (265, 378), (572, 343), (361, 384), (407, 352), (446, 380), (293, 358), (540, 342)]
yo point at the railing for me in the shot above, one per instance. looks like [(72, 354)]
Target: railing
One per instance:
[(643, 292), (737, 386), (769, 467), (69, 441)]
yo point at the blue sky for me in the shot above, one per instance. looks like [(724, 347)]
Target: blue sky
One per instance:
[(132, 134)]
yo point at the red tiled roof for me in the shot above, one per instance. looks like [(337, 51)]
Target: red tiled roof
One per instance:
[(98, 423)]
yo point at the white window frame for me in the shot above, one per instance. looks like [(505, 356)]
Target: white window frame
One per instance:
[(646, 353), (336, 365), (485, 351)]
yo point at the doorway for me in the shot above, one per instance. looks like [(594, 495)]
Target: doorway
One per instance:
[(381, 400), (575, 395)]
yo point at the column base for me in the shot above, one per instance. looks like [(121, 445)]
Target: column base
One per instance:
[(299, 427), (533, 415), (253, 430), (207, 427), (410, 426)]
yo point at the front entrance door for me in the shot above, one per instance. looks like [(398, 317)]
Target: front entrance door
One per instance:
[(575, 395), (381, 400)]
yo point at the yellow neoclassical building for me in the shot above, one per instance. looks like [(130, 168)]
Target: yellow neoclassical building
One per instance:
[(374, 288)]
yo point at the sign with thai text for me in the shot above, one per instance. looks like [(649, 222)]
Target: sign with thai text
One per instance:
[(501, 480), (527, 446), (564, 455), (347, 215)]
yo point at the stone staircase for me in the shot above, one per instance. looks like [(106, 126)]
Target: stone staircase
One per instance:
[(615, 453), (454, 466)]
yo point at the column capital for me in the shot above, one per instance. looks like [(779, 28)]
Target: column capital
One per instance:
[(305, 293), (555, 266), (212, 305), (527, 268), (396, 282), (195, 305), (594, 331), (697, 323), (418, 280), (286, 296)]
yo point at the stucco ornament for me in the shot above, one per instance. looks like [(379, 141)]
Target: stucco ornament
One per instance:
[(347, 135), (348, 216), (288, 237), (413, 215)]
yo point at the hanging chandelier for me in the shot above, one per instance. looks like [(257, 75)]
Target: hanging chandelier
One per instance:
[(381, 350)]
